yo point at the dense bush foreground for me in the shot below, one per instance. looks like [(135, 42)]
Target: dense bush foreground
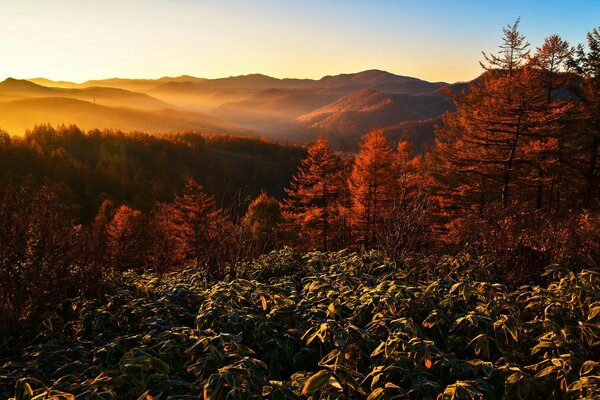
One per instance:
[(322, 326)]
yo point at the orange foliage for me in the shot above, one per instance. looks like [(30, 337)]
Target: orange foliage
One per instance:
[(372, 185), (315, 204)]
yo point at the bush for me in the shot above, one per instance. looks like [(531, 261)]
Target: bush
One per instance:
[(341, 326)]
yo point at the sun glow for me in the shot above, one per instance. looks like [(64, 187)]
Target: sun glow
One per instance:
[(80, 40)]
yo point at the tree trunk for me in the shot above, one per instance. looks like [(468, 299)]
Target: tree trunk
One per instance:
[(509, 162)]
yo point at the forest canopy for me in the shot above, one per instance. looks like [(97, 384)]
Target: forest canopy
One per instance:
[(138, 169)]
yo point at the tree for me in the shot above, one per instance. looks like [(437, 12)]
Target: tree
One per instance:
[(262, 221), (505, 144), (40, 260), (502, 140), (165, 248), (505, 103), (373, 184), (512, 55), (408, 168), (552, 59), (200, 227), (586, 147), (125, 237), (313, 206), (549, 64)]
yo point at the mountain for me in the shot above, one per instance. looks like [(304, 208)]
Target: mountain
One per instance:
[(56, 84), (140, 84), (12, 89), (274, 111), (348, 118), (16, 116), (120, 83), (21, 88), (343, 106), (379, 80)]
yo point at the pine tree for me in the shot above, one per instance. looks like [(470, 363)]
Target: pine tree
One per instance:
[(408, 168), (585, 152), (547, 150), (313, 204), (372, 184), (165, 247), (124, 238), (504, 147), (200, 223), (500, 144)]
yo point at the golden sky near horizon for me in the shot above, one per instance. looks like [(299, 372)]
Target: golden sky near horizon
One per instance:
[(80, 40)]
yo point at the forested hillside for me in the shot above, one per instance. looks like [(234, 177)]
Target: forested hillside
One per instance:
[(138, 169)]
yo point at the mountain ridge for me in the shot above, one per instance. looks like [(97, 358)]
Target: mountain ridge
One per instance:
[(342, 106)]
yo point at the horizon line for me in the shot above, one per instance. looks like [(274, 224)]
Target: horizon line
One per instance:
[(232, 76)]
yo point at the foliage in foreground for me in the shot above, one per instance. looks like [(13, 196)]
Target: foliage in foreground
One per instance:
[(319, 326)]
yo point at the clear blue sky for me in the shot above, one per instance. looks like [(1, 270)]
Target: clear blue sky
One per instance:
[(434, 40)]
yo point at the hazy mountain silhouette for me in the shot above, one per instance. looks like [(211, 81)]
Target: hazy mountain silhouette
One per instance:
[(12, 89), (57, 84), (348, 118), (343, 106), (19, 115), (120, 83)]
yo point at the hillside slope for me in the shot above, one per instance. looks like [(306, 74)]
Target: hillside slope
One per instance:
[(348, 118), (16, 116), (12, 89), (343, 106)]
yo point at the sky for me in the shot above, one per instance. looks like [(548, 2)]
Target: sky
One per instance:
[(439, 40)]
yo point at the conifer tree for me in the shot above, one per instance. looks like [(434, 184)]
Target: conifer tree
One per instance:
[(124, 238), (586, 145), (200, 223), (165, 247), (313, 207), (408, 167), (546, 151), (496, 148), (373, 184)]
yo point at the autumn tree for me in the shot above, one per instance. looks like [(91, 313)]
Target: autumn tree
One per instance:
[(40, 258), (586, 145), (124, 233), (200, 227), (165, 248), (313, 206), (262, 222), (373, 185), (501, 145), (551, 59), (408, 167), (546, 149)]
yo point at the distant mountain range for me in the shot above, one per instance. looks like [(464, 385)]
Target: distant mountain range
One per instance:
[(341, 106)]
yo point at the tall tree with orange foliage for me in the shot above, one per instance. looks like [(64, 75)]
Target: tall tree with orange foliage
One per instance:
[(314, 206), (165, 247), (124, 233), (200, 226), (546, 150), (499, 144), (408, 167), (585, 149), (373, 185)]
